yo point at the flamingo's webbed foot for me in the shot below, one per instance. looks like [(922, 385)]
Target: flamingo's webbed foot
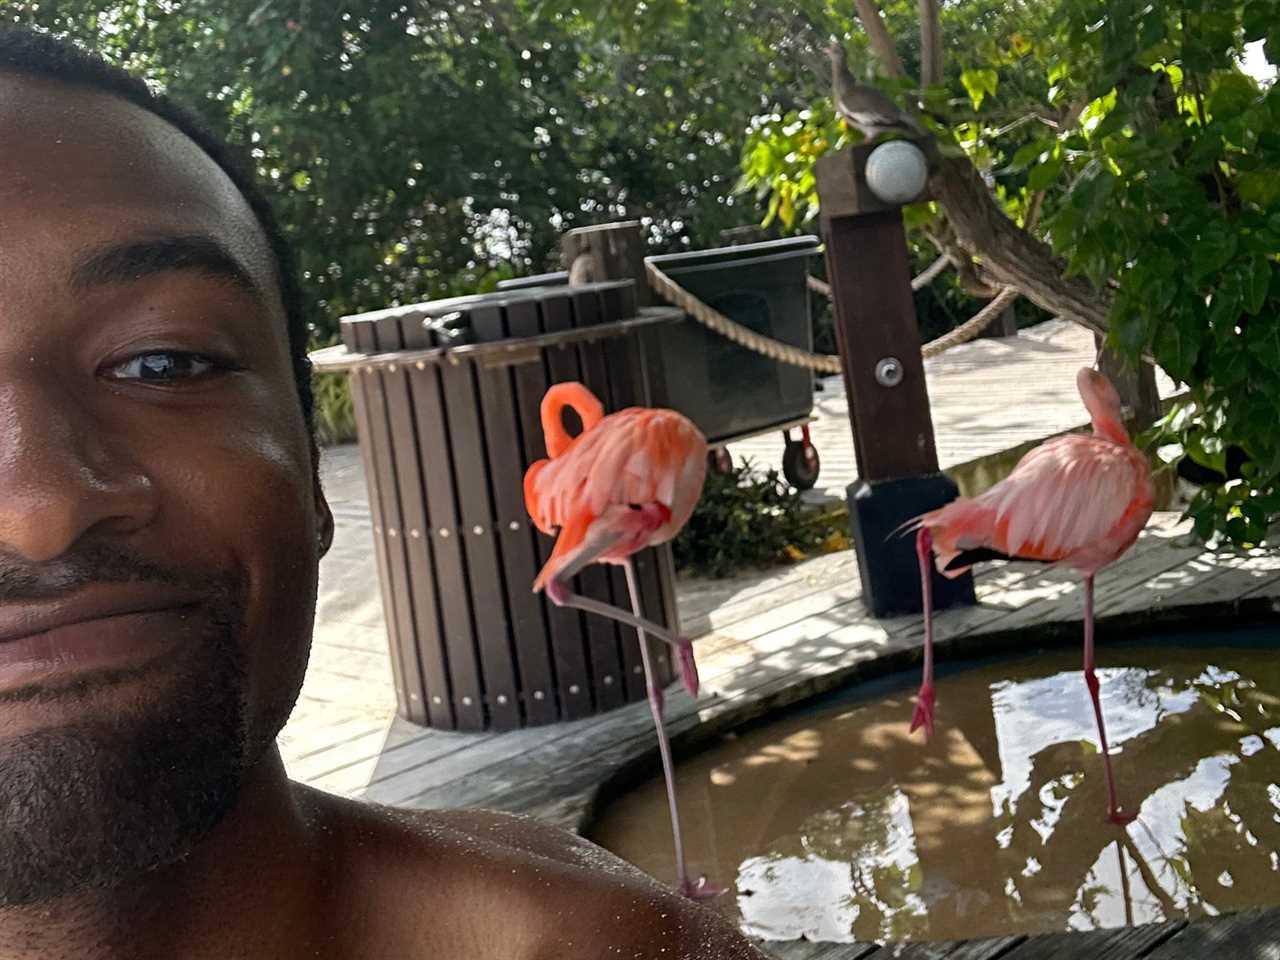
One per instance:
[(703, 889), (688, 667), (1121, 818), (923, 716)]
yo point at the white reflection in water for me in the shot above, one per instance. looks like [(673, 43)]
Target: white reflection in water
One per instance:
[(860, 859), (1062, 713), (839, 825)]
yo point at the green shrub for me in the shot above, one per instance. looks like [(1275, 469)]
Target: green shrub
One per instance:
[(749, 518), (335, 418)]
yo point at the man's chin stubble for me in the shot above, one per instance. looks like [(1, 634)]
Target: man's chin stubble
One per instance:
[(92, 805)]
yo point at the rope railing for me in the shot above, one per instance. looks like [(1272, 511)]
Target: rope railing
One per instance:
[(717, 322), (926, 277)]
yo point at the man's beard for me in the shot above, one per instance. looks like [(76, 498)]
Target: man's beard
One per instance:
[(96, 804)]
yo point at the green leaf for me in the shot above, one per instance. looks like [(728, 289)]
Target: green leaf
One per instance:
[(787, 211), (1214, 247), (1256, 282), (1230, 364), (1043, 175), (1225, 309), (978, 84), (1232, 95), (1258, 17), (1263, 340), (1177, 344), (1028, 153), (1261, 187)]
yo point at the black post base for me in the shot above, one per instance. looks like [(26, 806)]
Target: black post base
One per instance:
[(887, 560)]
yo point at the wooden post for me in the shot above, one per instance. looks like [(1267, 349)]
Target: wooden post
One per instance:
[(1004, 325), (609, 251), (736, 236), (879, 341), (1135, 384)]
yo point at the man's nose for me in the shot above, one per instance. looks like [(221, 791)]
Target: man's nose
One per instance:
[(61, 476)]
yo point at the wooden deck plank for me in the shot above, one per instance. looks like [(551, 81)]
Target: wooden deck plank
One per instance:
[(1252, 935), (785, 665), (988, 949), (379, 756), (514, 744), (794, 949), (762, 672), (985, 949), (774, 682), (805, 950), (1124, 943), (987, 396)]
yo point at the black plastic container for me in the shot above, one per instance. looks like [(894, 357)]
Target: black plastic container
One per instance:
[(726, 389), (557, 279)]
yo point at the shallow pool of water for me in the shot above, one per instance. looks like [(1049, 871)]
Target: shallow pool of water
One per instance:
[(836, 824)]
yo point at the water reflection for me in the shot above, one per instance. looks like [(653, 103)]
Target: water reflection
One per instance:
[(839, 826)]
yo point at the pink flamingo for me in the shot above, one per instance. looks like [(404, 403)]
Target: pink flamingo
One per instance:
[(1077, 500), (628, 481)]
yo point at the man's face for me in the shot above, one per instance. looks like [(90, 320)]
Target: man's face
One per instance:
[(158, 517)]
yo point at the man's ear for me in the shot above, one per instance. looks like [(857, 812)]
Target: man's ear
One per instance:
[(324, 520)]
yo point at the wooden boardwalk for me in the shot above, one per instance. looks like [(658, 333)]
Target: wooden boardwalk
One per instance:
[(991, 400), (765, 641), (1253, 935), (769, 647), (774, 643)]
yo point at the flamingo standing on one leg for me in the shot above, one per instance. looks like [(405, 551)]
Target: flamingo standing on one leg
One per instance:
[(1077, 500), (627, 481)]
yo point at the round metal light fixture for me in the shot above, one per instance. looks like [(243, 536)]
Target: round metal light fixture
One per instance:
[(897, 172)]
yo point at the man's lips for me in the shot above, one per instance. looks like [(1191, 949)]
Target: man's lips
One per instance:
[(99, 628)]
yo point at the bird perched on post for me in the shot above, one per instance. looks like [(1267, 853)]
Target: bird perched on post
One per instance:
[(1079, 500), (863, 106)]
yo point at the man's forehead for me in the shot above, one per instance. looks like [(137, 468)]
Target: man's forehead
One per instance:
[(115, 168)]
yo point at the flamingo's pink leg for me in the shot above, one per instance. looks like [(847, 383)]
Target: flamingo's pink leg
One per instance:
[(1114, 813), (701, 889), (923, 716), (559, 593)]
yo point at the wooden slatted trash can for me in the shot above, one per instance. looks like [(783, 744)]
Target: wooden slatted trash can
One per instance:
[(447, 400)]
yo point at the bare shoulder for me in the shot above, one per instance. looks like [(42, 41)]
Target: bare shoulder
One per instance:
[(497, 885), (585, 898)]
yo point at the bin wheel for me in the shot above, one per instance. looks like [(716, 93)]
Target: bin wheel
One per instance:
[(800, 464), (720, 460)]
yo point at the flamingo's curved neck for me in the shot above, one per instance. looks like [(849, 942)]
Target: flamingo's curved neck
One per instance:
[(578, 398), (1105, 425)]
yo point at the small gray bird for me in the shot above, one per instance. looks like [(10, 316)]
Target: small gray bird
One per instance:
[(864, 107)]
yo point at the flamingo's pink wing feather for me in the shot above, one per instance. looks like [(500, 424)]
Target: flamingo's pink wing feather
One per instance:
[(635, 456), (1072, 494)]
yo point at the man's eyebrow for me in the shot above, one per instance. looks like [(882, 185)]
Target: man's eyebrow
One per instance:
[(137, 260)]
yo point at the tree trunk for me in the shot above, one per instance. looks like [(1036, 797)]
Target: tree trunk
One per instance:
[(930, 43), (1008, 253)]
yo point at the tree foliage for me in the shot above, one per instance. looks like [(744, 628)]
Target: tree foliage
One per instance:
[(419, 150), (1157, 161), (424, 149)]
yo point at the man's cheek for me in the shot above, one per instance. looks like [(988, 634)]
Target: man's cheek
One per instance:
[(247, 507)]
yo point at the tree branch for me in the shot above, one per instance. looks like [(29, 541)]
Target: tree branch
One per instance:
[(1010, 255), (881, 43), (930, 43)]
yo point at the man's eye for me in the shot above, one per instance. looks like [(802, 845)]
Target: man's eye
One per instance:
[(165, 365)]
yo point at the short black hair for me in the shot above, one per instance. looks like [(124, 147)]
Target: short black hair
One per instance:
[(29, 51)]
